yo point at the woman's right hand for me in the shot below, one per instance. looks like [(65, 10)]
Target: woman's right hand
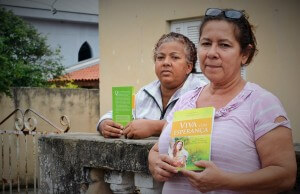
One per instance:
[(161, 166), (110, 129)]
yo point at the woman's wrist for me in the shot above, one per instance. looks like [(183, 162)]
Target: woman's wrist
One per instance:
[(238, 182), (157, 127), (151, 157), (229, 181), (150, 160), (100, 126)]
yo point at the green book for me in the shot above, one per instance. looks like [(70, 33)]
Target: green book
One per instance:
[(191, 137), (123, 104)]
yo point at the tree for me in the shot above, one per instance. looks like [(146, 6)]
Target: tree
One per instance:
[(25, 58)]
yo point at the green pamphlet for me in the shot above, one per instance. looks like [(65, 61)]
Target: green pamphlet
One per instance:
[(191, 137), (123, 104)]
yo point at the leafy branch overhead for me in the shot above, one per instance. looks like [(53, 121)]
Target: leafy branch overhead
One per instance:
[(25, 57)]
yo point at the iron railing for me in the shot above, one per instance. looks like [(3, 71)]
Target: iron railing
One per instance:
[(19, 150)]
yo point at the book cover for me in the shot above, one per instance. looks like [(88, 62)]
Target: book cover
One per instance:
[(123, 104), (191, 137)]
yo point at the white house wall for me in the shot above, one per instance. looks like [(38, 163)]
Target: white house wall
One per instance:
[(77, 6), (70, 36), (74, 23), (52, 14)]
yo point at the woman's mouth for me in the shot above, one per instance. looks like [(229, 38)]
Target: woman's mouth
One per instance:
[(165, 72), (213, 66)]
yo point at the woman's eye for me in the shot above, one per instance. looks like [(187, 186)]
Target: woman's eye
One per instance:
[(205, 44), (159, 58), (224, 45), (175, 57)]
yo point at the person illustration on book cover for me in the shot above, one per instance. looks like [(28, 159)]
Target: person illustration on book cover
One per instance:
[(179, 154)]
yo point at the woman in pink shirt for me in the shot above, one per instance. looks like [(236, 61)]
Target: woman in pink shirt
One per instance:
[(252, 148)]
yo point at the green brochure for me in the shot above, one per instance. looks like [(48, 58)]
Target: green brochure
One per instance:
[(123, 104)]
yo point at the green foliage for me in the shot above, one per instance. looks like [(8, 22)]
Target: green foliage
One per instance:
[(25, 58), (69, 85)]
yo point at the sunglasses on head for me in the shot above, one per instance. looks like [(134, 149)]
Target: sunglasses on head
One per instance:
[(231, 13)]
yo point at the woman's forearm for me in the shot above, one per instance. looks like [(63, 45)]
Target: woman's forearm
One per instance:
[(153, 153), (157, 126), (272, 179)]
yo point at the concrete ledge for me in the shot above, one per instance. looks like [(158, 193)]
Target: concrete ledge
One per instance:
[(63, 159), (66, 161)]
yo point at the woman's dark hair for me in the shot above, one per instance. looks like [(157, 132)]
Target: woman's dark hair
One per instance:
[(243, 32), (189, 47)]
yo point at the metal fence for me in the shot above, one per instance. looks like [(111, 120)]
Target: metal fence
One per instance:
[(19, 161)]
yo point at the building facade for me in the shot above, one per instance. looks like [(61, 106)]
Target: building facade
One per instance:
[(129, 30), (70, 25)]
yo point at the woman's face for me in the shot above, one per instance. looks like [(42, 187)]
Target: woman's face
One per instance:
[(179, 145), (220, 53), (171, 65)]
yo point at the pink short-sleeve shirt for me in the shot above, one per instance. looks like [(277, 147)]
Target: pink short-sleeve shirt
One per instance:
[(237, 126)]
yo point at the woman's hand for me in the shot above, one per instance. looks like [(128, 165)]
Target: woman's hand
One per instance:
[(211, 178), (161, 166), (137, 129), (110, 129), (143, 128)]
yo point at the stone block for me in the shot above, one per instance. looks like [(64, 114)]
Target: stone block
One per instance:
[(151, 191), (122, 189), (143, 180), (115, 177), (64, 157)]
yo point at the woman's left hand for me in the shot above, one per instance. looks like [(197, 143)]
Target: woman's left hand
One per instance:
[(211, 178), (137, 129), (142, 128), (161, 166)]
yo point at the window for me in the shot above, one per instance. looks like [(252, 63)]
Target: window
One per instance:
[(190, 28), (84, 52)]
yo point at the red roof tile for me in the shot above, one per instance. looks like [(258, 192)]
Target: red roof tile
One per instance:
[(85, 74)]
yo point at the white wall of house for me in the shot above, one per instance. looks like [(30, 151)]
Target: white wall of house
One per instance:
[(70, 36), (74, 6), (73, 23)]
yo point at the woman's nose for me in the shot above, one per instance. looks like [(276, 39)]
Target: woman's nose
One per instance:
[(212, 52), (167, 61)]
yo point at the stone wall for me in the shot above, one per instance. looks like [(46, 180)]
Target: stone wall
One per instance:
[(67, 160), (80, 105), (76, 163)]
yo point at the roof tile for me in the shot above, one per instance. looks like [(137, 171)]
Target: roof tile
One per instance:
[(85, 74)]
